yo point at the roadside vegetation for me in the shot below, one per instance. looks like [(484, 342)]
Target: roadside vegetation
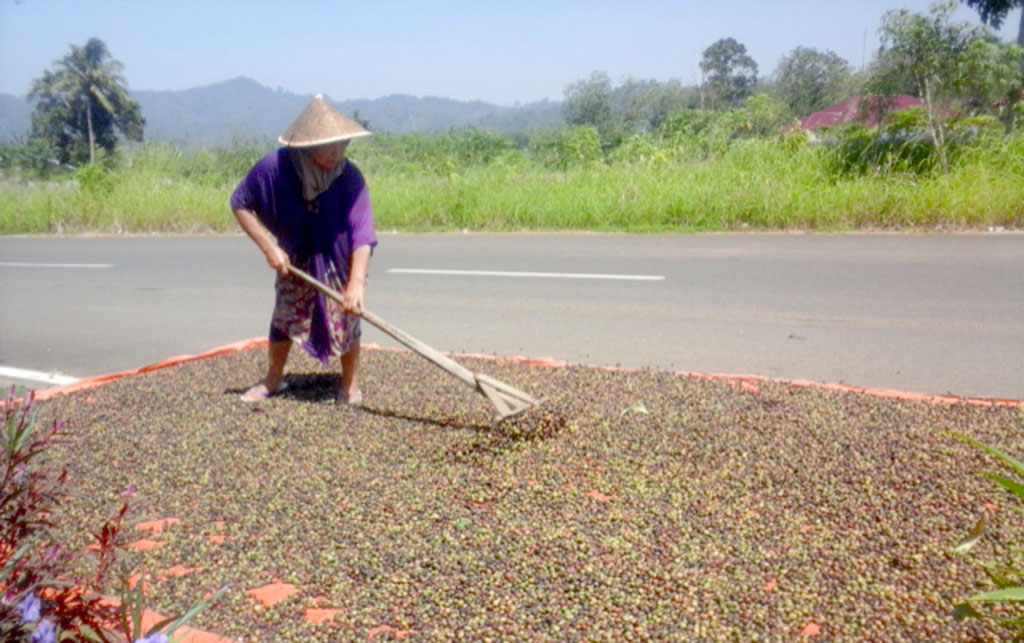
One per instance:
[(667, 180), (642, 156)]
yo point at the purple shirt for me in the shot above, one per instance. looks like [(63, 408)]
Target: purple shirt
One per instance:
[(331, 225), (315, 234)]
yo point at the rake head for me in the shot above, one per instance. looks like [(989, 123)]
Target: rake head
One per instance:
[(508, 400)]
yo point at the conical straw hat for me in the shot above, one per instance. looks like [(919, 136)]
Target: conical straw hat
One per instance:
[(320, 123)]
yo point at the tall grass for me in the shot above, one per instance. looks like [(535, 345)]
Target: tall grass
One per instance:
[(756, 185), (480, 182), (154, 188)]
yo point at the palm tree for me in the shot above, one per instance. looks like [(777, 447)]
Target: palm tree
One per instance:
[(993, 12), (83, 101)]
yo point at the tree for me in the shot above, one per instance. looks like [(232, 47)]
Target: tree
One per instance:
[(993, 12), (82, 103), (807, 80), (589, 103), (990, 78), (923, 55), (729, 73), (643, 105)]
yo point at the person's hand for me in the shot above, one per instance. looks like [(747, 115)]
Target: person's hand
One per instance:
[(352, 298), (278, 260)]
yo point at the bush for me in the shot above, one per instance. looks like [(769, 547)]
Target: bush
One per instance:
[(43, 600), (32, 563), (94, 179), (567, 147), (644, 149), (702, 134), (35, 159), (764, 115), (904, 145)]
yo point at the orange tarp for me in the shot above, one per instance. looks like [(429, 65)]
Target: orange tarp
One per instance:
[(279, 591), (92, 382)]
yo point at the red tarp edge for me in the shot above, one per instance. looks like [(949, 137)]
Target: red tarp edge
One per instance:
[(545, 362)]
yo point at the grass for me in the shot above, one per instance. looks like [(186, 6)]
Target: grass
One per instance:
[(756, 184), (728, 194)]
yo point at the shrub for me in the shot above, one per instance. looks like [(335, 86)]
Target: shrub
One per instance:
[(35, 159), (702, 134), (42, 600), (94, 179), (643, 148), (31, 562), (568, 147), (904, 145)]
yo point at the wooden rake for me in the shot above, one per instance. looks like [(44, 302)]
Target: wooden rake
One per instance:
[(508, 400)]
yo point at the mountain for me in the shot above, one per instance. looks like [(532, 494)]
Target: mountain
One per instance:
[(215, 114), (400, 114), (242, 108)]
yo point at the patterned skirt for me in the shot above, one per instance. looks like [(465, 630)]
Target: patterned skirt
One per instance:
[(293, 310)]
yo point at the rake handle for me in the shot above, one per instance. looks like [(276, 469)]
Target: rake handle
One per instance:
[(442, 361)]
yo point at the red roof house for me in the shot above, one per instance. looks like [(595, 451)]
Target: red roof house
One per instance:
[(867, 109)]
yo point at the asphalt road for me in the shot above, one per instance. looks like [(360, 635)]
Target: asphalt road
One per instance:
[(927, 313)]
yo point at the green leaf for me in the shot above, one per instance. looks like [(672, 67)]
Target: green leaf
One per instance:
[(197, 607), (972, 539), (159, 626), (137, 609), (1015, 487), (1014, 464), (1000, 595), (1000, 578), (101, 98), (965, 610), (89, 633)]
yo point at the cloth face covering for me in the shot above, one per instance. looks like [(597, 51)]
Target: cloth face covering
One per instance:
[(315, 179)]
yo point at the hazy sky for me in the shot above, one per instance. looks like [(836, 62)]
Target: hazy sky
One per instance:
[(493, 50)]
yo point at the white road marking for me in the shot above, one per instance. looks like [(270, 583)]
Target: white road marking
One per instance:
[(32, 264), (534, 275), (36, 376)]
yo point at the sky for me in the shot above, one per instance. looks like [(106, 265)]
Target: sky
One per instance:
[(498, 51)]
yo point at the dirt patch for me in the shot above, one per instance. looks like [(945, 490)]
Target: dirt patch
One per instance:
[(632, 504)]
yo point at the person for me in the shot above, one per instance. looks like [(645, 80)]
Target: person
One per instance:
[(306, 205)]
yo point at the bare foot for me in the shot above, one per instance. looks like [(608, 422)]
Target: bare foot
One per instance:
[(355, 398), (261, 392)]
